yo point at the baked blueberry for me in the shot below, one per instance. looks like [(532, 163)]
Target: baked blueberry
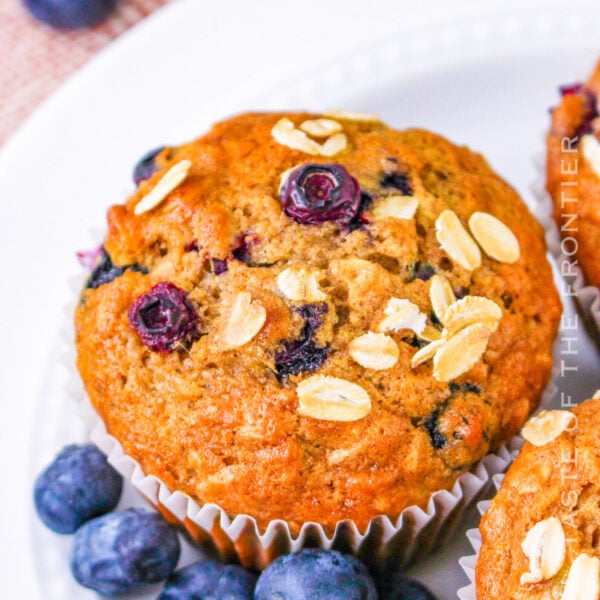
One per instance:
[(219, 266), (315, 573), (303, 355), (397, 181), (414, 341), (571, 89), (314, 193), (104, 271), (70, 14), (431, 425), (163, 317), (122, 552), (210, 580), (423, 271), (146, 166), (191, 246), (241, 250), (360, 219), (77, 486), (589, 105), (464, 388)]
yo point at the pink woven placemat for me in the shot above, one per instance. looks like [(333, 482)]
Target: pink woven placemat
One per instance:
[(36, 59)]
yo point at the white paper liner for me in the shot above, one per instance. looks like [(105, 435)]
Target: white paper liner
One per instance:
[(413, 535), (468, 563), (587, 296)]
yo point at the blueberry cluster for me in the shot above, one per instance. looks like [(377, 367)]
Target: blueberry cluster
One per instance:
[(113, 552), (116, 553), (305, 575)]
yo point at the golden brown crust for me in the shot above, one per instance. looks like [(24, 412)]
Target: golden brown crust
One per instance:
[(560, 479), (571, 182), (217, 424)]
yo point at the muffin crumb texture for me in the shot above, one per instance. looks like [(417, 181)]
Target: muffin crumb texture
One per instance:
[(316, 317), (541, 534), (573, 173)]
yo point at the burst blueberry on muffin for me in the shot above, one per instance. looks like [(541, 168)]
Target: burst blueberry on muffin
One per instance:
[(316, 318), (573, 173), (541, 532)]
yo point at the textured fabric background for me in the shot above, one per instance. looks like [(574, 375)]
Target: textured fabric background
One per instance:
[(35, 59)]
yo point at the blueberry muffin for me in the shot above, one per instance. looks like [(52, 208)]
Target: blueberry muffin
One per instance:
[(541, 533), (573, 174), (316, 317)]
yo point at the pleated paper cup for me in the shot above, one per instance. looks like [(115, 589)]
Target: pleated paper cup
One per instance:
[(415, 533)]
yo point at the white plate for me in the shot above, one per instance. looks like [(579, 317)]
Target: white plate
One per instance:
[(482, 75)]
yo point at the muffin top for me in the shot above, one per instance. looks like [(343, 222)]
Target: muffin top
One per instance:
[(541, 533), (316, 317), (573, 173)]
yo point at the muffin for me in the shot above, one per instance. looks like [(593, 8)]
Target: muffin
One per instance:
[(573, 175), (316, 318), (541, 532)]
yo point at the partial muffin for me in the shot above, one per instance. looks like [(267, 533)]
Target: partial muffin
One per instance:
[(573, 174), (541, 534), (315, 318)]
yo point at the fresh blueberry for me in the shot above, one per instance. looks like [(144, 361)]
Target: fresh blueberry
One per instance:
[(77, 486), (314, 193), (70, 14), (397, 586), (302, 355), (122, 551), (163, 317), (316, 573), (105, 271), (210, 580), (146, 166)]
